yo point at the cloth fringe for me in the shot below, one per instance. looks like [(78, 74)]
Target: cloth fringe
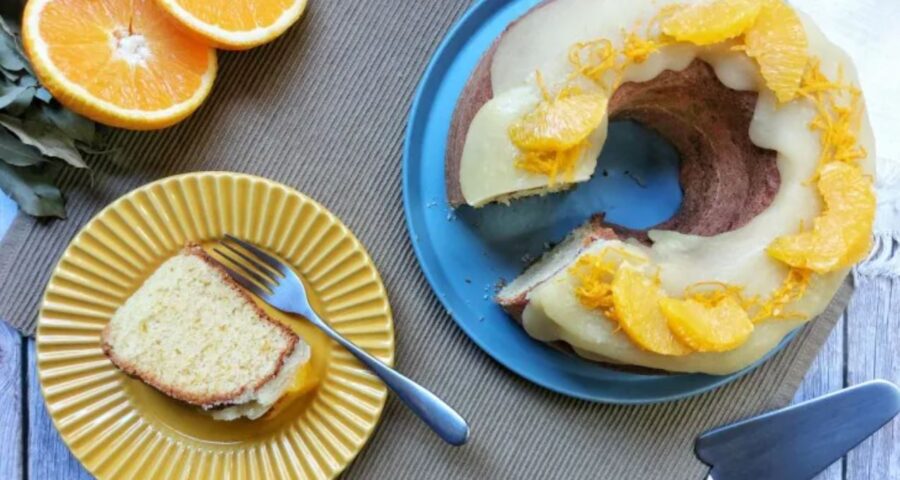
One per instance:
[(884, 259)]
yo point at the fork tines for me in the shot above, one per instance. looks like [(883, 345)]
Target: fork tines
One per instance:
[(249, 261)]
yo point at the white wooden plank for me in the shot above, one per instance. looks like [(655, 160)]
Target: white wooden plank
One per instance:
[(827, 375), (873, 343), (48, 457), (11, 455)]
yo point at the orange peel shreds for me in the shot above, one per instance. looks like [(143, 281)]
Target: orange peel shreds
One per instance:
[(838, 115), (594, 274), (708, 327), (593, 59), (637, 49), (551, 164), (778, 43), (711, 22), (842, 234), (559, 123), (712, 292), (792, 288), (636, 299)]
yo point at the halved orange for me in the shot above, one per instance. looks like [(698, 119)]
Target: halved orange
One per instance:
[(122, 63), (235, 24)]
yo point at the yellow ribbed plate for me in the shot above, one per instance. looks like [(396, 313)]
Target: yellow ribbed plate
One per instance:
[(120, 428)]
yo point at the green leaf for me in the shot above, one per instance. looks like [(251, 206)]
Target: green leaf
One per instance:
[(8, 94), (9, 23), (21, 103), (11, 55), (75, 126), (14, 152), (50, 140), (11, 76), (43, 95), (33, 189)]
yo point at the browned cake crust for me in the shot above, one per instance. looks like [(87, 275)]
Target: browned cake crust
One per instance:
[(205, 401), (475, 94)]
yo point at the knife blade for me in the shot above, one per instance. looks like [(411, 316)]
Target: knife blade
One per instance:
[(799, 441)]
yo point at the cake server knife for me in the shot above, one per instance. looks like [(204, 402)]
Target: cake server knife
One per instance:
[(799, 441)]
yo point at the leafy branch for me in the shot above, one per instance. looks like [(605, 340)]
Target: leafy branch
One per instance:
[(38, 136)]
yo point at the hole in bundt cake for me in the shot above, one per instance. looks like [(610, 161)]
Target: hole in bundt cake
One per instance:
[(726, 180), (637, 177)]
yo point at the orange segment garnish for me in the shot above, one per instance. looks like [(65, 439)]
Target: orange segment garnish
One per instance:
[(636, 299), (560, 123), (552, 137), (120, 63), (236, 24), (841, 235), (778, 43), (711, 22), (708, 327)]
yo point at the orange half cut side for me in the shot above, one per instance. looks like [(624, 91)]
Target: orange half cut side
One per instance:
[(235, 24), (125, 64)]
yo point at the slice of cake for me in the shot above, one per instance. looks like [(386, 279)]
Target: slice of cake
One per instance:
[(192, 333)]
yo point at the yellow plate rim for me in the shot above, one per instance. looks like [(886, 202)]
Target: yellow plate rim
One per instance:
[(78, 238)]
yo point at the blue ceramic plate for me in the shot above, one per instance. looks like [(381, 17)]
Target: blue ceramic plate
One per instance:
[(465, 252)]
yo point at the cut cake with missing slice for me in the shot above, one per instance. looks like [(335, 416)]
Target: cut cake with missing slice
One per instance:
[(192, 333)]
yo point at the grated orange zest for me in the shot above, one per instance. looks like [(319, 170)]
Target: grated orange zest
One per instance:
[(710, 293), (838, 115), (594, 274), (637, 49), (594, 59), (551, 164), (792, 288)]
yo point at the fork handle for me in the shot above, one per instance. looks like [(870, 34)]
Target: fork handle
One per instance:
[(448, 424)]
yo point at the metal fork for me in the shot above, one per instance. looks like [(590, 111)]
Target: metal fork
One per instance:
[(280, 287)]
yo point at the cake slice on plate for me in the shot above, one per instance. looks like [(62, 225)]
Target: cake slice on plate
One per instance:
[(192, 333)]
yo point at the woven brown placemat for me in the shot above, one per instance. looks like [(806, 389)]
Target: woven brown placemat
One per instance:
[(323, 110)]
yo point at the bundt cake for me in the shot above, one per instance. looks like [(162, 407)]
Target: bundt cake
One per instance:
[(776, 172)]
